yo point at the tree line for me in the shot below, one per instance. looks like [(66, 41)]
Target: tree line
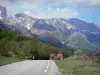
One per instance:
[(16, 45)]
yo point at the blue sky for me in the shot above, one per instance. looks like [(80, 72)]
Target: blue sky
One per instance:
[(87, 10)]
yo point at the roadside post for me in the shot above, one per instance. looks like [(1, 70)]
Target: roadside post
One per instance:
[(33, 57)]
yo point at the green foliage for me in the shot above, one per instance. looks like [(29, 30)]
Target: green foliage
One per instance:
[(7, 35), (8, 60), (16, 45), (84, 45)]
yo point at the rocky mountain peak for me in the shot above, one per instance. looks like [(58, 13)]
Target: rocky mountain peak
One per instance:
[(3, 12)]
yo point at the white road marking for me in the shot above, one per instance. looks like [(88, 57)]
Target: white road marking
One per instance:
[(45, 70), (47, 67)]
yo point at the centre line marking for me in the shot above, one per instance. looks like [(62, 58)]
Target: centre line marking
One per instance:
[(45, 70), (47, 67)]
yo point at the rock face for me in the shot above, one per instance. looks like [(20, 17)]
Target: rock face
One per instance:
[(3, 12), (74, 33), (21, 19), (84, 26), (78, 40), (77, 36)]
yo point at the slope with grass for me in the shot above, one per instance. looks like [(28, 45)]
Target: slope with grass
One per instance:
[(8, 60), (78, 67), (16, 45), (79, 41)]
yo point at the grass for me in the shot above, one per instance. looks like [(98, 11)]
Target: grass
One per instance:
[(8, 60), (78, 67)]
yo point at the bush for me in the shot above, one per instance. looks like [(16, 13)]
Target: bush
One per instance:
[(98, 59), (11, 54)]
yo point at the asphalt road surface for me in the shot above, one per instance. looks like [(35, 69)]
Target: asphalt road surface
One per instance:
[(30, 67)]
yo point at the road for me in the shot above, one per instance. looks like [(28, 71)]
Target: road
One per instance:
[(30, 67)]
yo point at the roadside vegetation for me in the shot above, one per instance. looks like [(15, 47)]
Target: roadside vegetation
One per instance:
[(18, 46), (8, 60), (78, 64), (78, 67)]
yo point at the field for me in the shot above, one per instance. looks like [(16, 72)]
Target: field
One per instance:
[(7, 60), (78, 67)]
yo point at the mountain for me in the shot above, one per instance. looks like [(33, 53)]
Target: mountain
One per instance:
[(19, 23), (21, 19), (3, 12), (78, 40), (73, 33), (84, 26)]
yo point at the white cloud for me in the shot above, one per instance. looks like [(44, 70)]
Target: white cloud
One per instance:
[(58, 9), (42, 8), (84, 3), (20, 4), (56, 13), (33, 4), (29, 13), (77, 3)]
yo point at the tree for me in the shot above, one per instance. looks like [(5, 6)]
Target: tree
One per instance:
[(78, 53), (2, 47), (12, 46)]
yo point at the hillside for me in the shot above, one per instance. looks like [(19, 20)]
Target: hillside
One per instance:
[(79, 41), (16, 45)]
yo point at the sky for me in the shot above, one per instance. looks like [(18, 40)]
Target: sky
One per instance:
[(87, 10)]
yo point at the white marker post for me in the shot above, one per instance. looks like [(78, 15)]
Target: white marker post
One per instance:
[(33, 57)]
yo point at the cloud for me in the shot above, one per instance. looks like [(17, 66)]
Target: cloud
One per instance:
[(84, 3), (39, 8), (29, 13), (77, 3), (56, 13), (32, 4), (60, 13)]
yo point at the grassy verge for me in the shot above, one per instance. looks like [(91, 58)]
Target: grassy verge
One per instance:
[(8, 60), (78, 67)]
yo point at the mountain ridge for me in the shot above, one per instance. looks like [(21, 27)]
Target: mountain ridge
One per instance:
[(54, 31)]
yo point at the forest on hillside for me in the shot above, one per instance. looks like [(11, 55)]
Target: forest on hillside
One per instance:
[(16, 45)]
